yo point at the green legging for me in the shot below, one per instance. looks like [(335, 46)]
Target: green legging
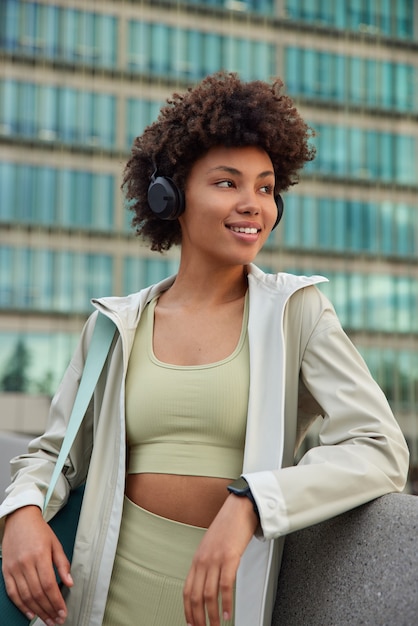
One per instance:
[(152, 561)]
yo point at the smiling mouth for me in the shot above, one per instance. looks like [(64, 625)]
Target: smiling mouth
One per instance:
[(247, 231)]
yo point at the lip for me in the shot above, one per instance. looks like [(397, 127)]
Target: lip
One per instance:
[(244, 225), (249, 231)]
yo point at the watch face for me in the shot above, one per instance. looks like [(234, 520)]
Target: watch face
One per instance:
[(240, 484)]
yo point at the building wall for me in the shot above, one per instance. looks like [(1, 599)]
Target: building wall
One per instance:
[(80, 79)]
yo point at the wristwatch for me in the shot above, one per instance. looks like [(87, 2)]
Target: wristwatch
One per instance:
[(240, 487)]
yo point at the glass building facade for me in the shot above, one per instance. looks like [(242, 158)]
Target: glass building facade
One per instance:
[(79, 80)]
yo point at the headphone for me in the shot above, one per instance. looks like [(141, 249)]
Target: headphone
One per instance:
[(166, 200)]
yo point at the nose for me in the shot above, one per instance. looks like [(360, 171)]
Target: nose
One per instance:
[(248, 203)]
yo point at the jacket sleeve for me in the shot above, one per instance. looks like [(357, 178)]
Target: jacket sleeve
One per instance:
[(31, 472), (362, 453)]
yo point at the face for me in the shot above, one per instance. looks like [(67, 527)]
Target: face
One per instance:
[(230, 207)]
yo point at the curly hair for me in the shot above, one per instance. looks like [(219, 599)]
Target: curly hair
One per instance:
[(221, 110)]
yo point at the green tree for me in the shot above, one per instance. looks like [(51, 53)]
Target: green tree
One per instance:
[(15, 377)]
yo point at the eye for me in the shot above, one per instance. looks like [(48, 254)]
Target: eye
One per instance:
[(267, 189), (225, 184)]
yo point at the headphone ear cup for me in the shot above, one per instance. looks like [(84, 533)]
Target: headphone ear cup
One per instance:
[(165, 199), (280, 209)]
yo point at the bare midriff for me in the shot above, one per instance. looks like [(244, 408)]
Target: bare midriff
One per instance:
[(193, 500)]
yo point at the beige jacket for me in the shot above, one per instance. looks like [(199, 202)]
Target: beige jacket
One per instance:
[(301, 365)]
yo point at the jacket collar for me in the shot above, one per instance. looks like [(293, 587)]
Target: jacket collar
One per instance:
[(126, 310)]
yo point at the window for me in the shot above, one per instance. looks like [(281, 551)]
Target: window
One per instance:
[(46, 30), (165, 50), (350, 225), (370, 17), (47, 196), (48, 355), (361, 82), (49, 113), (138, 273)]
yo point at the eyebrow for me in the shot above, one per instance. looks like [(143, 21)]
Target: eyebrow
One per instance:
[(233, 171)]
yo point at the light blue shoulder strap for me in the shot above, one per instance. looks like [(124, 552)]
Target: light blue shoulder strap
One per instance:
[(103, 333)]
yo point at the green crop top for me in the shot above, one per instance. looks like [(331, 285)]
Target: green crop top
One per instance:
[(187, 420)]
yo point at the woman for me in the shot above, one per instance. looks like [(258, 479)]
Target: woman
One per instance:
[(216, 374)]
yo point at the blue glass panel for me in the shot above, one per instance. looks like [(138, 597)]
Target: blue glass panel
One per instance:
[(264, 62), (44, 200), (404, 17), (340, 300), (106, 38), (326, 221), (340, 77), (406, 228), (340, 233), (387, 85), (370, 228), (292, 69), (46, 113), (8, 107), (139, 46), (356, 301), (386, 156), (6, 278), (385, 16), (194, 53), (386, 227), (49, 31), (309, 222), (100, 277), (25, 110), (9, 24), (309, 77), (340, 150), (404, 87), (68, 34), (292, 220), (356, 154), (41, 288), (405, 162), (82, 206), (356, 80), (371, 88), (212, 53), (7, 191), (67, 111), (104, 120), (373, 157), (404, 304), (24, 193), (65, 197), (102, 201), (160, 52), (48, 353)]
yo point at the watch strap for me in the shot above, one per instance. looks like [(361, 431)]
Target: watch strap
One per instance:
[(240, 487)]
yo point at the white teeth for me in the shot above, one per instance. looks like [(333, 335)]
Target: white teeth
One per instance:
[(247, 231)]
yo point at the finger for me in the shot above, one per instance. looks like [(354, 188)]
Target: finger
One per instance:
[(193, 597), (15, 596), (211, 596), (62, 564), (48, 594), (28, 595), (226, 587)]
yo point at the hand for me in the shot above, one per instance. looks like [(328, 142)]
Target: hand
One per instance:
[(215, 563), (30, 549)]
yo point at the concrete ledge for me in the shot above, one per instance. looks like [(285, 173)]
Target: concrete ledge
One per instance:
[(358, 568)]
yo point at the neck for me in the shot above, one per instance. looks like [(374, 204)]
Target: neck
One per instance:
[(218, 287)]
